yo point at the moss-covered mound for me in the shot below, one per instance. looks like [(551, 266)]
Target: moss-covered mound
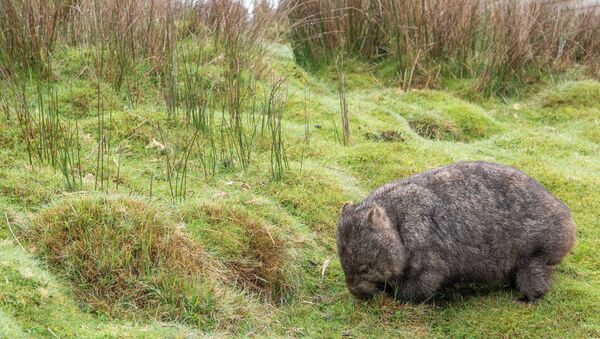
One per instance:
[(569, 101), (573, 93), (313, 197), (440, 116), (123, 255)]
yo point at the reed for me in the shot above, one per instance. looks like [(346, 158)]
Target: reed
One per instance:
[(499, 43), (339, 65), (48, 140), (28, 34), (176, 163), (206, 59), (274, 109)]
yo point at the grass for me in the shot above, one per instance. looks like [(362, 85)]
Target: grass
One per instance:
[(572, 100), (246, 254), (24, 185), (80, 99)]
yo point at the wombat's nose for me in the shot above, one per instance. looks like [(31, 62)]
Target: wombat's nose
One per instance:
[(359, 292)]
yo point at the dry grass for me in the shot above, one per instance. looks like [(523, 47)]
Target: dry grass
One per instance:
[(124, 257), (433, 128)]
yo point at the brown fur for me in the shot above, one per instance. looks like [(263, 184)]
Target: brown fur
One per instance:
[(467, 222)]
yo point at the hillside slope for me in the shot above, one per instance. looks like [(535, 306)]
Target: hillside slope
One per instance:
[(266, 246)]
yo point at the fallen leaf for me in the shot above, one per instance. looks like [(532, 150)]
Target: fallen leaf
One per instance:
[(154, 144), (88, 178), (324, 268)]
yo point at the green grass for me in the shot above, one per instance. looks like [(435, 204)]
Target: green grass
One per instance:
[(270, 243)]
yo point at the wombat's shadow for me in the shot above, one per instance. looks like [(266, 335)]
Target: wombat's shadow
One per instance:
[(465, 291), (462, 292)]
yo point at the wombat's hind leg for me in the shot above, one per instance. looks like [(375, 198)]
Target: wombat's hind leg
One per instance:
[(533, 279)]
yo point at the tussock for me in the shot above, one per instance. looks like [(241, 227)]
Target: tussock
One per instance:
[(123, 256), (30, 186), (576, 93), (566, 102), (438, 116)]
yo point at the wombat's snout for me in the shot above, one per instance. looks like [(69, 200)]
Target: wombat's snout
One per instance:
[(363, 290)]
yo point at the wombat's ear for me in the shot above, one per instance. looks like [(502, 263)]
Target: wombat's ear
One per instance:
[(347, 207), (378, 218)]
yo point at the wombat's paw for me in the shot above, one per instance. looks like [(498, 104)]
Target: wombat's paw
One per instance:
[(525, 300), (533, 279)]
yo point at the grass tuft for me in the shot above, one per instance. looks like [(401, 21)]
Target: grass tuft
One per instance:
[(575, 93), (254, 253), (30, 186), (123, 256), (80, 98)]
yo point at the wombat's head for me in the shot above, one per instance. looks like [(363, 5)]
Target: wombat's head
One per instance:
[(370, 249)]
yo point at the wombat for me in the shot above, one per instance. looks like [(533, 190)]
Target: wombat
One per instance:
[(467, 222)]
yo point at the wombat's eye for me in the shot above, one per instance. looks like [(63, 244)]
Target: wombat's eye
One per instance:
[(363, 270)]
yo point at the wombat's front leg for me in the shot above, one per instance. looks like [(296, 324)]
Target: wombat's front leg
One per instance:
[(534, 278), (418, 288)]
